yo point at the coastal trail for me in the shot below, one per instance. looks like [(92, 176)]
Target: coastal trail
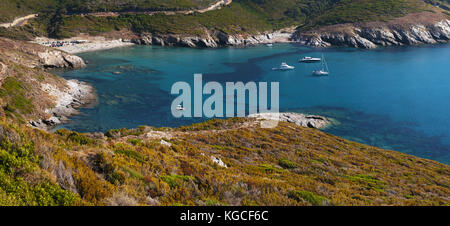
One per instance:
[(19, 21)]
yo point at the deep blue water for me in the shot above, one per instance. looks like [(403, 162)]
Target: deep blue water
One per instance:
[(394, 98)]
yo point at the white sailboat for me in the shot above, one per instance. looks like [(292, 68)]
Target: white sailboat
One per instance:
[(324, 70)]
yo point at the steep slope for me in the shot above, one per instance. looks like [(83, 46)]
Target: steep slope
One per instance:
[(11, 9), (251, 22), (232, 162), (415, 28), (31, 95)]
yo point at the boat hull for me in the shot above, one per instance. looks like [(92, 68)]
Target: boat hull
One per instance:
[(310, 61), (320, 73)]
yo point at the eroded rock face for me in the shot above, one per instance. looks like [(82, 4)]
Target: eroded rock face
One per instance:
[(59, 59), (310, 121), (369, 37), (76, 94), (214, 39)]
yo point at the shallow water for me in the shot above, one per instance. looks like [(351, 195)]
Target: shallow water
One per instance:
[(394, 98)]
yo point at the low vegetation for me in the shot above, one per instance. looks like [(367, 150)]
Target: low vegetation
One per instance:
[(288, 165), (242, 16)]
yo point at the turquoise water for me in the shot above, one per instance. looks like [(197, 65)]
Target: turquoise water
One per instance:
[(394, 98)]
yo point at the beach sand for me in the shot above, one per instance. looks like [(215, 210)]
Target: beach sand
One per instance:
[(88, 44)]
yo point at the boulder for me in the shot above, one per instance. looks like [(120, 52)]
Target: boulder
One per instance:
[(59, 59)]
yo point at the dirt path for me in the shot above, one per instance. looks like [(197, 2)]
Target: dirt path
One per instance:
[(19, 21), (219, 4)]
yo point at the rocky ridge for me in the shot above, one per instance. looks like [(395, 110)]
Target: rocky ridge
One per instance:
[(76, 94), (32, 55), (309, 121), (423, 28), (214, 39), (52, 99)]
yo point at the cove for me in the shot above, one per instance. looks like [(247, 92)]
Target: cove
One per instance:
[(393, 98)]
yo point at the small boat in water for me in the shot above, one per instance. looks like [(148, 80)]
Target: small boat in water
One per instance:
[(324, 70), (180, 107), (308, 59), (284, 67), (269, 44)]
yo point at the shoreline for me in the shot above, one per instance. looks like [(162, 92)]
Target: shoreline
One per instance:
[(83, 44), (75, 95), (93, 47)]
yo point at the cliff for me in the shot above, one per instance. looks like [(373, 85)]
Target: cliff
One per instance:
[(413, 29), (214, 39), (30, 94)]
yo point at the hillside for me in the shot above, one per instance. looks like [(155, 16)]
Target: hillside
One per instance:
[(15, 8), (28, 93), (242, 16), (232, 162)]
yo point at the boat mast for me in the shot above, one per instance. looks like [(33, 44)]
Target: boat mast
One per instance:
[(326, 65), (322, 60)]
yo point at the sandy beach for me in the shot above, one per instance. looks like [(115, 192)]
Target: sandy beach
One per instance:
[(83, 44), (94, 46)]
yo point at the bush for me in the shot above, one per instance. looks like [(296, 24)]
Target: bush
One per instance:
[(79, 138), (287, 164), (310, 197), (175, 180)]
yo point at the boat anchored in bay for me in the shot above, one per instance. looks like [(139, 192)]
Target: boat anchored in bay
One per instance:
[(308, 59), (284, 67), (324, 71)]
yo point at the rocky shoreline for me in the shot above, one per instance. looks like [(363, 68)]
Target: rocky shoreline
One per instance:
[(415, 29), (74, 95), (309, 121), (215, 39)]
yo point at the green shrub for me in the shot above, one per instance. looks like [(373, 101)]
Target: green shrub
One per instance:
[(128, 151), (14, 92), (287, 164), (310, 197), (79, 138), (269, 168), (175, 180)]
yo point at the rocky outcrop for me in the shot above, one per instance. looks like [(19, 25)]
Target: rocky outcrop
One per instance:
[(75, 95), (33, 55), (402, 31), (215, 39), (59, 59), (3, 73), (310, 121)]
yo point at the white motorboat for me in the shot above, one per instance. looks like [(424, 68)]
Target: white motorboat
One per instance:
[(180, 107), (269, 44), (284, 67), (324, 70), (308, 59)]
